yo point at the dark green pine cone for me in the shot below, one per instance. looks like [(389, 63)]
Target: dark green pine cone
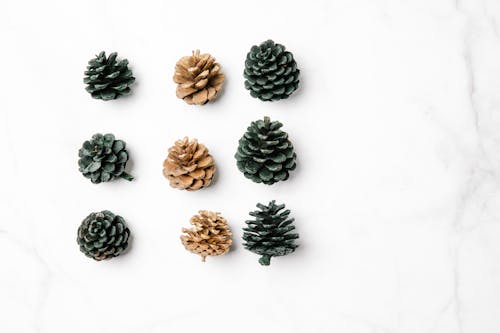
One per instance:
[(103, 235), (103, 158), (265, 155), (271, 73), (106, 78), (269, 234)]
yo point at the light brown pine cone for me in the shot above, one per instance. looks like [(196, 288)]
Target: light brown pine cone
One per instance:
[(210, 235), (189, 166), (198, 78)]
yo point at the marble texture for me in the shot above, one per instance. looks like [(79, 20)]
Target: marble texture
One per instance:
[(396, 196)]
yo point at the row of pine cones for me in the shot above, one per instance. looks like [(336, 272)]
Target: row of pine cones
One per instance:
[(269, 234), (270, 73), (264, 155), (104, 235)]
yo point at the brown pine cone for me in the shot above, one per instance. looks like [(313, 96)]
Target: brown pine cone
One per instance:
[(198, 78), (210, 235), (189, 166)]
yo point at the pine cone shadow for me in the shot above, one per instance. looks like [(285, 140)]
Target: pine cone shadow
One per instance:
[(225, 86), (130, 243), (300, 89), (215, 177), (298, 169), (298, 94), (234, 245)]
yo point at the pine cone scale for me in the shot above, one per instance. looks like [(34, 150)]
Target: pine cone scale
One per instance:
[(185, 92), (205, 73), (198, 174), (201, 84)]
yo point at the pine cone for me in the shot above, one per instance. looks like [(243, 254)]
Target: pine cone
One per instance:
[(271, 73), (103, 235), (269, 234), (198, 78), (103, 158), (210, 235), (107, 78), (265, 155), (189, 166)]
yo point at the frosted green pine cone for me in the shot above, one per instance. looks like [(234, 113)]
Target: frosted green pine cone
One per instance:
[(103, 235), (103, 158), (269, 234), (270, 73), (265, 155), (106, 78)]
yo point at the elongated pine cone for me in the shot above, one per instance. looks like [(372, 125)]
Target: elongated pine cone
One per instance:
[(189, 166), (269, 233), (210, 235), (198, 78)]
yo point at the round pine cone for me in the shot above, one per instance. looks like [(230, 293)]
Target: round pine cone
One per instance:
[(103, 158), (210, 235), (106, 78), (103, 235), (265, 155), (271, 73), (198, 78), (189, 166)]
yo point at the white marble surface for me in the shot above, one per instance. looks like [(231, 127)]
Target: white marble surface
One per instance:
[(397, 194)]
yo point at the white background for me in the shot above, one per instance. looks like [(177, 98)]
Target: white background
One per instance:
[(396, 197)]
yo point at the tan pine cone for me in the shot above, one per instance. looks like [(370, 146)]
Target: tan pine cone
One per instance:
[(210, 235), (198, 78), (189, 166)]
